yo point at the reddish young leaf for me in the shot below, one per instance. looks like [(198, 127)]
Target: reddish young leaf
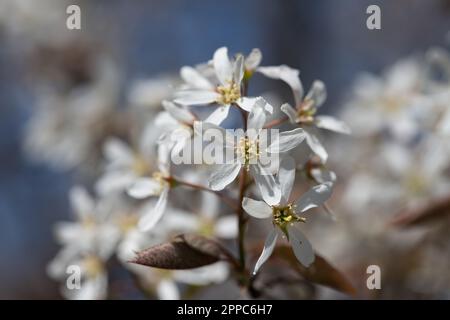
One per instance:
[(435, 210), (320, 272), (184, 252)]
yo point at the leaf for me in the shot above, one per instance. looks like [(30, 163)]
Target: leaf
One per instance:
[(205, 246), (435, 210), (319, 272), (183, 252)]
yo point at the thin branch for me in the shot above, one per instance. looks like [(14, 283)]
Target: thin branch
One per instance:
[(223, 197)]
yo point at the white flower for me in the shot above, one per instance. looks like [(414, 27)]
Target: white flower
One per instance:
[(225, 90), (66, 128), (88, 244), (157, 185), (248, 154), (285, 213), (306, 107), (392, 102), (176, 125)]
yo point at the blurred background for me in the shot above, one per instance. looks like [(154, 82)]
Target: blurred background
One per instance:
[(325, 39)]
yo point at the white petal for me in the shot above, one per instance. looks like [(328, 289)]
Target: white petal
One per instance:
[(301, 246), (152, 214), (238, 72), (221, 136), (257, 116), (143, 188), (226, 175), (333, 124), (315, 197), (290, 112), (247, 104), (219, 115), (444, 124), (288, 75), (118, 151), (114, 181), (317, 93), (257, 209), (222, 65), (181, 114), (287, 140), (93, 289), (316, 146), (253, 60), (213, 273), (268, 186), (167, 290), (195, 97), (226, 227), (286, 178), (321, 175), (82, 202), (195, 79), (269, 245)]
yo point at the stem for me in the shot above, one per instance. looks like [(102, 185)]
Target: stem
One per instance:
[(241, 219), (222, 197), (276, 122)]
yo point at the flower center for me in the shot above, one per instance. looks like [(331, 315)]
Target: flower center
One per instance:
[(161, 179), (306, 112), (284, 215), (247, 151), (93, 266), (127, 222), (416, 183), (140, 166), (229, 93)]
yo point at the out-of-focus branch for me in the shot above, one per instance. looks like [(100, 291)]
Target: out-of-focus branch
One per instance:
[(435, 209)]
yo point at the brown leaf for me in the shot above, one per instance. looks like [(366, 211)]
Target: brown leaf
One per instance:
[(184, 252), (320, 272), (204, 245), (433, 211)]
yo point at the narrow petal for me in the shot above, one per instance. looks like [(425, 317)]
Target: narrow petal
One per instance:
[(253, 60), (301, 246), (222, 65), (221, 136), (257, 209), (333, 124), (219, 115), (238, 72), (317, 93), (267, 185), (315, 197), (194, 79), (287, 140), (246, 103), (167, 290), (269, 245), (143, 188), (316, 146), (181, 114), (286, 178), (81, 202), (322, 175), (288, 75), (195, 97), (257, 116), (226, 175), (290, 112), (152, 214), (114, 181), (118, 151)]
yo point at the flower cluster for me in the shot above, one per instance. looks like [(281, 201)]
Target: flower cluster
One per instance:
[(144, 199)]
